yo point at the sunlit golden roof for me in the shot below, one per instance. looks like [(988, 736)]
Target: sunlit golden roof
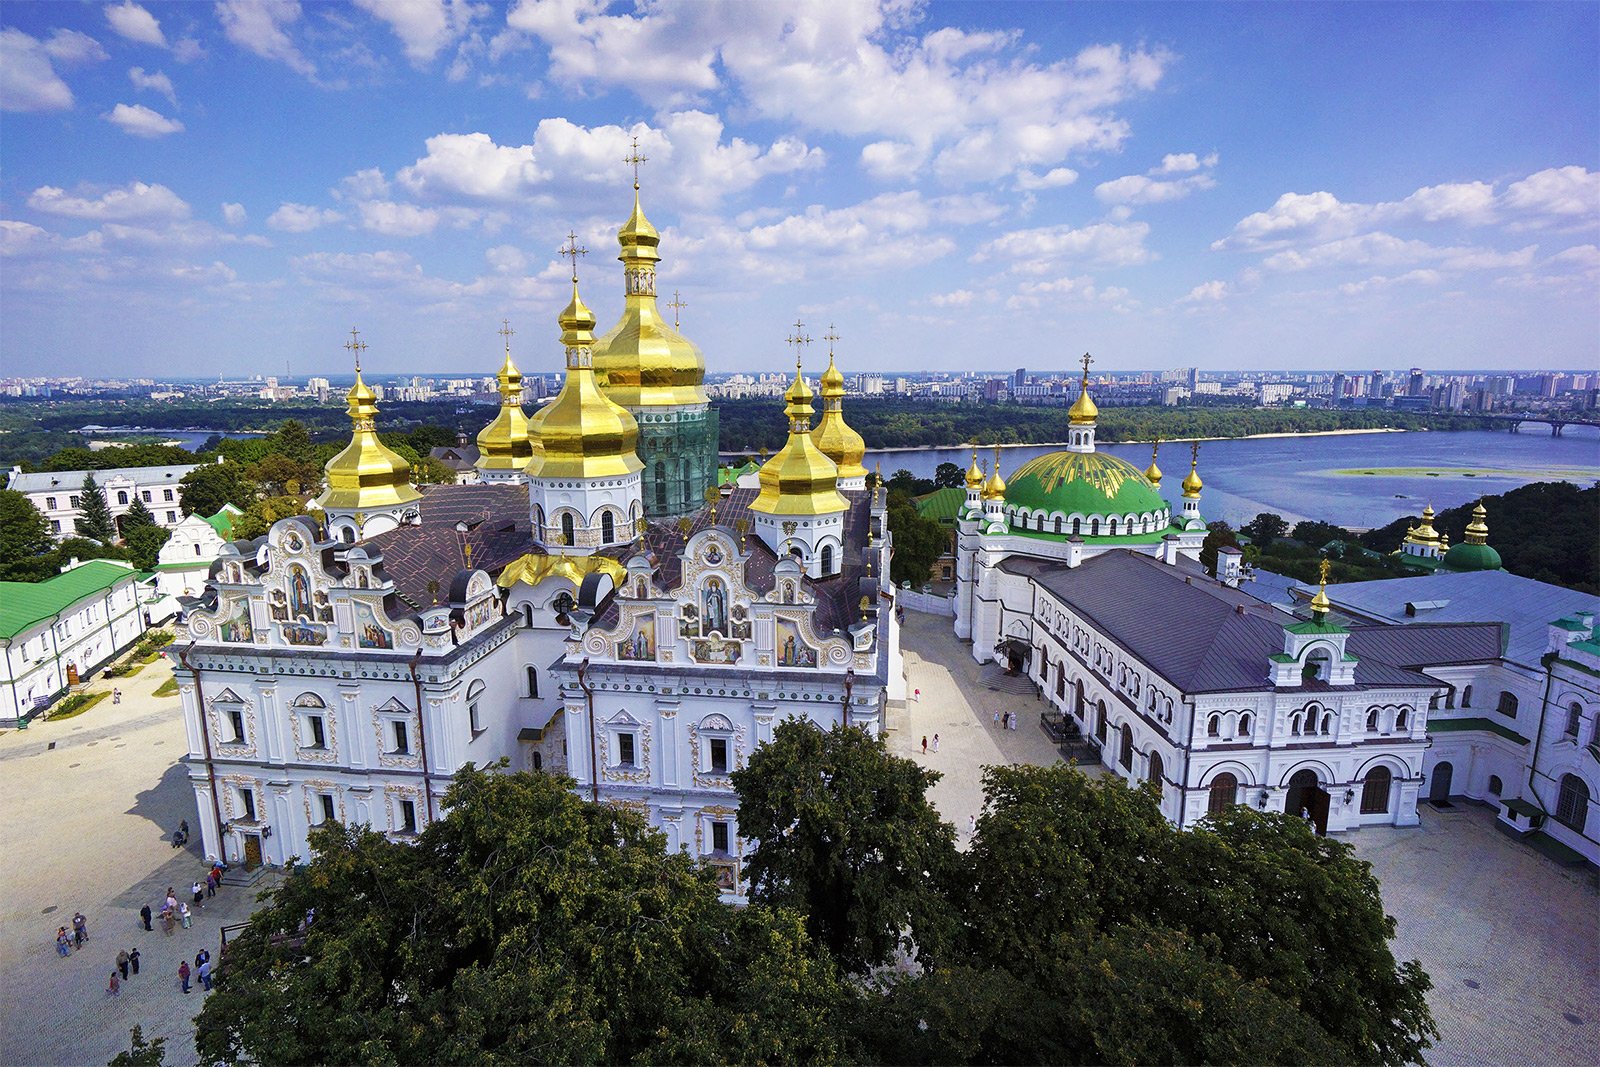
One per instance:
[(974, 473), (835, 437), (995, 487), (366, 475), (799, 479), (533, 568), (1152, 473), (505, 443)]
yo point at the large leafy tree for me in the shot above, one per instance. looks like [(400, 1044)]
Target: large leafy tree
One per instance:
[(209, 486), (261, 514), (918, 541), (24, 537), (1264, 529), (95, 522), (846, 836), (949, 476), (525, 926), (1218, 534)]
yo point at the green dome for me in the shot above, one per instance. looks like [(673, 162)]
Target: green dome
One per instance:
[(1470, 557), (1083, 483)]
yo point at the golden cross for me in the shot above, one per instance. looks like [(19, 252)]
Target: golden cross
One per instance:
[(830, 337), (356, 346), (1194, 453), (572, 251), (1325, 569), (506, 331), (633, 159), (676, 305), (798, 339), (1155, 449), (1087, 359)]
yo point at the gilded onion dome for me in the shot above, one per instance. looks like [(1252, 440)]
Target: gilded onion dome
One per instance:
[(643, 361), (1192, 483), (582, 433), (1425, 534), (799, 479), (974, 473), (1474, 553), (995, 487), (835, 437), (1152, 473), (505, 444), (1083, 412), (366, 475)]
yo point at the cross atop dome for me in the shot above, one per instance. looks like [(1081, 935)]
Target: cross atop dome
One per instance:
[(633, 159), (357, 346), (572, 250), (1087, 359)]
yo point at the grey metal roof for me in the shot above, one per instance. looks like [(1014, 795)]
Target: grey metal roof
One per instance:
[(71, 481), (1207, 638), (1526, 606)]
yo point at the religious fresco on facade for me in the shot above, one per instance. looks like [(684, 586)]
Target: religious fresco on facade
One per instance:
[(480, 613), (299, 594), (278, 606), (715, 650), (304, 633), (714, 607), (739, 623), (792, 650), (688, 620), (727, 877), (324, 608), (370, 632), (641, 644), (235, 627)]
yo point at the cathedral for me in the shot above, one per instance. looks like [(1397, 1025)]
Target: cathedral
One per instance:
[(596, 604)]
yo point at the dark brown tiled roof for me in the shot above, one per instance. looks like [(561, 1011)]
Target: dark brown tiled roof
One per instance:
[(497, 528)]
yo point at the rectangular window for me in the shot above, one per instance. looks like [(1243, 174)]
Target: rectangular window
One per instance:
[(625, 749), (236, 722), (316, 732), (474, 719), (197, 550), (719, 837), (247, 800), (50, 503), (402, 737), (325, 801), (719, 755), (145, 496), (408, 817), (73, 500), (55, 525), (166, 494), (172, 516)]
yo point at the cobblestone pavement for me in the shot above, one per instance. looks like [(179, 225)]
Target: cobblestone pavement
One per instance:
[(1511, 939), (88, 829)]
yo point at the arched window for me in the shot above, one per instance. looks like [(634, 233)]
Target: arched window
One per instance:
[(661, 484), (1372, 720), (527, 616), (1077, 526), (1507, 705), (1466, 697), (1327, 723), (1077, 702), (122, 496), (569, 530), (1495, 785), (474, 712), (1572, 803), (1112, 527), (1316, 667), (1157, 771), (533, 681), (1100, 721), (1094, 527), (1294, 723), (347, 534), (1061, 682), (1224, 793), (1402, 721), (538, 761), (827, 559), (608, 528), (1126, 757), (1058, 524), (1214, 726), (1375, 791), (1574, 719), (1244, 725)]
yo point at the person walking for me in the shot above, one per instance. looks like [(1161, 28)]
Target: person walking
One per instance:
[(199, 894), (936, 742), (63, 942), (122, 962), (204, 971), (188, 917), (166, 921), (972, 824), (115, 988), (116, 696), (80, 929), (172, 899), (144, 917), (924, 744), (211, 883), (183, 974), (997, 718), (133, 959)]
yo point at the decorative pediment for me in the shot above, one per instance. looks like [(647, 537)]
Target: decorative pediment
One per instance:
[(623, 719), (227, 696)]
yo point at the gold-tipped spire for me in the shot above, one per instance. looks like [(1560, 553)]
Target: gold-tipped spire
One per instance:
[(582, 433), (366, 475), (506, 443), (1192, 484), (1083, 412), (835, 437), (974, 472), (1320, 604), (995, 487), (1152, 473), (1425, 534), (799, 479), (1478, 528)]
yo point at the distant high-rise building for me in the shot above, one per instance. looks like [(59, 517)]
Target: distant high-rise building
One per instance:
[(1337, 392), (992, 388), (1191, 378), (1019, 377), (1376, 389), (1417, 383)]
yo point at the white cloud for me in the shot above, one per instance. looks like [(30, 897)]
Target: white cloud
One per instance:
[(70, 46), (472, 165), (155, 81), (258, 26), (1586, 257), (23, 238), (424, 27), (1031, 250), (136, 200), (140, 121), (397, 220), (302, 218), (1078, 290), (1205, 292), (1137, 189), (369, 184), (1566, 192), (1380, 249), (1052, 179), (1182, 163), (1378, 281), (959, 299), (234, 214), (130, 20), (506, 259), (28, 82)]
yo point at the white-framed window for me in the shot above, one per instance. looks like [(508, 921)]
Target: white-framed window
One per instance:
[(247, 804), (326, 808), (721, 836), (55, 525), (313, 722), (166, 494), (145, 495), (718, 755), (50, 503), (474, 707), (233, 721), (1574, 720), (408, 817), (400, 737), (172, 516), (627, 749), (122, 496)]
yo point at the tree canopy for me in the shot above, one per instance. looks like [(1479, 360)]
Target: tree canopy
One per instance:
[(95, 522), (205, 489), (24, 538)]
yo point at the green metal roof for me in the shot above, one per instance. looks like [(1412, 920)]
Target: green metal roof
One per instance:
[(1082, 483), (942, 505), (222, 521), (22, 604), (1468, 557), (1451, 726)]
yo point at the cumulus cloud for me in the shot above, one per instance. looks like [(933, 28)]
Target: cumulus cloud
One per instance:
[(1137, 189), (1378, 281), (134, 201), (28, 81), (155, 81), (1183, 163), (70, 46), (140, 121), (1076, 289), (1032, 250), (506, 259), (130, 20), (1560, 192), (234, 214), (959, 299), (397, 220), (302, 218), (1054, 178), (1206, 292), (22, 238), (424, 27), (260, 26), (1380, 249)]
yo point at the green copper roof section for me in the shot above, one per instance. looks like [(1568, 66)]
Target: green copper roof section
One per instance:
[(942, 505), (1083, 483), (223, 520), (23, 604), (1311, 626), (1099, 542), (1452, 726), (1470, 557)]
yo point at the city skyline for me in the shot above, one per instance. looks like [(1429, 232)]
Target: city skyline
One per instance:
[(1321, 187)]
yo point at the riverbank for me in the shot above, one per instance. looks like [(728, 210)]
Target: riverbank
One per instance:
[(1165, 440)]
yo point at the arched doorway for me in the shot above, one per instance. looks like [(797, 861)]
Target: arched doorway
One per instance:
[(1307, 798), (1077, 704), (1224, 793), (1439, 787)]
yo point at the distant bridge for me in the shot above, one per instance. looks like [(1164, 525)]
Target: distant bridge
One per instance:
[(1557, 423)]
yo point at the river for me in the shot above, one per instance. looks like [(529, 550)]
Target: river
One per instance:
[(1323, 477)]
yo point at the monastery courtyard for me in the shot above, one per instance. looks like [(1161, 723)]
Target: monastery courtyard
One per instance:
[(1509, 938)]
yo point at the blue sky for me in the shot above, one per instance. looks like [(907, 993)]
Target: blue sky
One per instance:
[(203, 188)]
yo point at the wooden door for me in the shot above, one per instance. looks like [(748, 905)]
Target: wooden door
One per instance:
[(252, 851), (72, 674)]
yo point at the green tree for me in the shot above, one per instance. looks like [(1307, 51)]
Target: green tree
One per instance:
[(292, 440), (209, 486), (261, 514), (144, 545), (949, 476), (1316, 534), (1264, 529), (1218, 534), (430, 471), (95, 522), (524, 926), (24, 538), (846, 836), (918, 541), (137, 516), (141, 1053)]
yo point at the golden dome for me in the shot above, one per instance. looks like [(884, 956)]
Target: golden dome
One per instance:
[(582, 433), (1083, 410), (643, 361), (799, 479), (974, 473), (366, 475), (1192, 483), (1152, 473), (1320, 604), (835, 437), (1478, 528), (505, 444), (995, 487), (1425, 534)]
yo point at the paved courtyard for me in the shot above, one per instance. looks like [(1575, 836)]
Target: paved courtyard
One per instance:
[(1511, 940), (88, 828)]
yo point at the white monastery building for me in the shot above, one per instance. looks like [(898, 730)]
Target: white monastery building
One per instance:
[(56, 493)]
